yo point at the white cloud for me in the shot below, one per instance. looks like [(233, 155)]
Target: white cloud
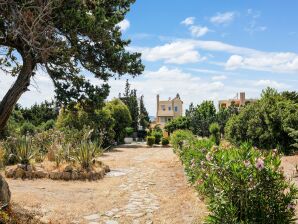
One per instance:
[(168, 82), (188, 21), (219, 77), (253, 26), (124, 25), (265, 61), (199, 31), (223, 18), (187, 51), (41, 88), (177, 52), (270, 83)]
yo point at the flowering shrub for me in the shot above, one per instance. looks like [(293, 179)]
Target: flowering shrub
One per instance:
[(179, 136), (240, 184)]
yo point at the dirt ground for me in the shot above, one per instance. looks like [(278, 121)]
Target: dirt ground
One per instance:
[(145, 185)]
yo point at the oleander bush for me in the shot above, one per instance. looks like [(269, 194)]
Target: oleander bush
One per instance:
[(179, 136), (240, 184)]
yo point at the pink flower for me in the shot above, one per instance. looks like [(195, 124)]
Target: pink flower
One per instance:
[(208, 156), (202, 163), (291, 206), (260, 164), (246, 163)]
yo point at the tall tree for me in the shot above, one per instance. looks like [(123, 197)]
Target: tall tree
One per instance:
[(68, 39), (144, 116)]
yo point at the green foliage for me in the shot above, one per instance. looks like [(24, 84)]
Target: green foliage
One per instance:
[(165, 141), (27, 129), (73, 39), (75, 119), (121, 116), (179, 137), (85, 153), (267, 123), (157, 135), (214, 130), (150, 140), (201, 117), (50, 124), (144, 116), (178, 123), (129, 131), (24, 150), (241, 185)]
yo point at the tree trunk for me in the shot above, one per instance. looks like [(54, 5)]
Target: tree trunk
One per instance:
[(14, 93)]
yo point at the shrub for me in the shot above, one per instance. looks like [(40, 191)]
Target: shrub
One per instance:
[(50, 124), (129, 131), (27, 128), (24, 150), (158, 136), (150, 140), (85, 153), (242, 184), (179, 136), (165, 141), (215, 133)]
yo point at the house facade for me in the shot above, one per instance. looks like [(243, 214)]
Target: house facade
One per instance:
[(167, 110), (238, 102)]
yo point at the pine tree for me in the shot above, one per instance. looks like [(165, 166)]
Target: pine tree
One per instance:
[(144, 116)]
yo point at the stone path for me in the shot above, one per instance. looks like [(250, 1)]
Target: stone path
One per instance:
[(146, 185)]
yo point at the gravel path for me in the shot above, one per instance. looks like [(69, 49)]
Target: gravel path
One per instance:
[(146, 185)]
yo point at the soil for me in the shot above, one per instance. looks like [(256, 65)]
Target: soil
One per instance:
[(145, 185)]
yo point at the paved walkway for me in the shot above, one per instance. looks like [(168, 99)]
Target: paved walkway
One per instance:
[(146, 185)]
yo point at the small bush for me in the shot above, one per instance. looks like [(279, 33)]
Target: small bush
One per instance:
[(25, 150), (165, 141), (129, 131), (27, 128), (150, 140), (179, 136), (158, 136), (215, 133)]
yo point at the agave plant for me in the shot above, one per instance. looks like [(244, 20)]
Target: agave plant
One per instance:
[(24, 150), (86, 152)]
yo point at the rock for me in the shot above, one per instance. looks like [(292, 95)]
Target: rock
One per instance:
[(54, 175), (92, 217), (20, 173), (107, 168), (111, 222), (68, 168), (66, 175), (4, 192), (22, 166), (29, 174), (75, 175), (40, 174), (30, 168), (9, 172)]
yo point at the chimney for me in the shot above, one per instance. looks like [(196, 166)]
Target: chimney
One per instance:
[(157, 104), (242, 98)]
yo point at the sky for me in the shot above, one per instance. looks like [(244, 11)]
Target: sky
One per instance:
[(203, 50)]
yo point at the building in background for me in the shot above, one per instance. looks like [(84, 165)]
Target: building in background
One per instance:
[(238, 102), (167, 110)]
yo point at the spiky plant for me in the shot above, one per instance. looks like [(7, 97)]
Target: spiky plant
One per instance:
[(24, 150), (86, 152)]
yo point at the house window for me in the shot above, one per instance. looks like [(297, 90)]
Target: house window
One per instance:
[(163, 107), (170, 108), (176, 109)]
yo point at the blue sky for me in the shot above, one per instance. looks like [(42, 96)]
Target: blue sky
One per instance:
[(204, 50)]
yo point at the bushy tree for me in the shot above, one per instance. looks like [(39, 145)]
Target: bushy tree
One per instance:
[(267, 123), (130, 99), (179, 123), (77, 119), (69, 39), (201, 117), (144, 116), (121, 115), (214, 130)]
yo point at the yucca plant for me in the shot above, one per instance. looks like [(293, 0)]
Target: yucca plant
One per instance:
[(24, 150), (86, 152)]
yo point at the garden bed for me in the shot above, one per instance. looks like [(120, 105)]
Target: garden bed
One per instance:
[(65, 172)]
